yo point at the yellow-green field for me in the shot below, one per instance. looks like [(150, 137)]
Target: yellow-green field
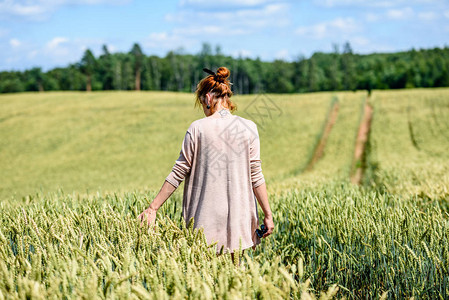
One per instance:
[(77, 168)]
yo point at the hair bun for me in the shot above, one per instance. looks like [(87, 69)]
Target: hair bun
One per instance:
[(222, 74)]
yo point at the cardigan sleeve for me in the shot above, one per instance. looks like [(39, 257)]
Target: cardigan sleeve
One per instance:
[(257, 177), (184, 163)]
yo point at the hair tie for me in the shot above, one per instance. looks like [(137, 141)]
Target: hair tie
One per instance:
[(210, 72), (215, 76)]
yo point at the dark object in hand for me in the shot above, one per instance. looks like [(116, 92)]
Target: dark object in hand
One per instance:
[(260, 232)]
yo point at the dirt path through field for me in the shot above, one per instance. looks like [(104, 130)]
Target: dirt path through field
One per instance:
[(360, 146), (319, 150)]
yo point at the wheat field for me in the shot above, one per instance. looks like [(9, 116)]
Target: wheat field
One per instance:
[(77, 168)]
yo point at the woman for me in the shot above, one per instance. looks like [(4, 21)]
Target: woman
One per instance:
[(220, 161)]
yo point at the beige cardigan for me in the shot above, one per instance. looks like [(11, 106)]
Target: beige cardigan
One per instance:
[(220, 161)]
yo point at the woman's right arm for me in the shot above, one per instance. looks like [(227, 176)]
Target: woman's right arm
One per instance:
[(262, 197), (149, 214), (179, 171)]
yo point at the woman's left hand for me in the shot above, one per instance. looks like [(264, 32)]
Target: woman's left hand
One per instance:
[(269, 225), (148, 215)]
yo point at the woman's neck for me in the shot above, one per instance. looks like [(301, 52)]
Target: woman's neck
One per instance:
[(219, 107), (219, 110)]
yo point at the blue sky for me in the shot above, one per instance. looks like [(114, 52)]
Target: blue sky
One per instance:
[(50, 33)]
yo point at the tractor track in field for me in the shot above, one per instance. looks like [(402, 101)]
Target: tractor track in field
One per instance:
[(411, 132), (359, 163), (319, 149)]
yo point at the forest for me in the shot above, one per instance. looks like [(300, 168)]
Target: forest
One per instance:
[(179, 71)]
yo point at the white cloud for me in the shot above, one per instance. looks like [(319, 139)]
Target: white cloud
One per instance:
[(360, 41), (166, 41), (242, 53), (427, 16), (237, 20), (195, 23), (374, 3), (329, 28), (159, 36), (58, 51), (370, 17), (370, 3), (347, 24), (208, 30), (258, 16), (403, 14), (446, 14), (224, 3), (111, 48), (60, 48), (42, 9), (282, 54), (22, 9), (32, 54), (400, 14), (14, 43), (56, 42), (317, 31)]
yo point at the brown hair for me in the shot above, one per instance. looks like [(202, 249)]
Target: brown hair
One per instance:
[(219, 85)]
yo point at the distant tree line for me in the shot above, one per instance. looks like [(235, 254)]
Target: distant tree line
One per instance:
[(179, 71)]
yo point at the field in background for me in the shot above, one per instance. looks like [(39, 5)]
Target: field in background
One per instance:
[(76, 170), (122, 141)]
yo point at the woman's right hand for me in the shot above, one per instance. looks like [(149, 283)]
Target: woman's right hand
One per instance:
[(269, 225), (148, 215)]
